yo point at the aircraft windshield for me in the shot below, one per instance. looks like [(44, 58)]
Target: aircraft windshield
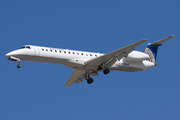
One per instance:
[(28, 47), (22, 47)]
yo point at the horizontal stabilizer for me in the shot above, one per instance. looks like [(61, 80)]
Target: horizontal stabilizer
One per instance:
[(161, 41)]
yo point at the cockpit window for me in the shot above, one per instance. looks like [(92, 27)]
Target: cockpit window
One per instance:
[(28, 47), (22, 47)]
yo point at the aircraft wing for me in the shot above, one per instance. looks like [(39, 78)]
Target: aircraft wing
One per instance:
[(162, 40), (112, 57), (75, 75), (79, 76)]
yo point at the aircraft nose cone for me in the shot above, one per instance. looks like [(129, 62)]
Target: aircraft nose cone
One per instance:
[(8, 54), (12, 53), (16, 52)]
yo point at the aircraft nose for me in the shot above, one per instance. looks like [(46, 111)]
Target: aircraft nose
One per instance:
[(16, 52), (12, 53), (8, 54)]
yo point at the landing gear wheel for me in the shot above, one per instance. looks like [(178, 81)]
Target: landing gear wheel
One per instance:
[(106, 71), (19, 65), (90, 80)]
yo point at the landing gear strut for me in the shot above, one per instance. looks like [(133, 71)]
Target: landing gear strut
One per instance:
[(16, 60)]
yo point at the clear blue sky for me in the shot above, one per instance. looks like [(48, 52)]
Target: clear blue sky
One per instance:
[(36, 92)]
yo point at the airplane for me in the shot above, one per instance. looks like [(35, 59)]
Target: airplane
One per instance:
[(88, 64)]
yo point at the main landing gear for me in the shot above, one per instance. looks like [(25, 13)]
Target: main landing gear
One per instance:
[(89, 80), (106, 71), (105, 68)]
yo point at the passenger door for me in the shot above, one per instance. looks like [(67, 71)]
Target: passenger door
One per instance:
[(36, 51)]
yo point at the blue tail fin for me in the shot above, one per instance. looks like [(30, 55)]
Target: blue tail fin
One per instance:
[(152, 48)]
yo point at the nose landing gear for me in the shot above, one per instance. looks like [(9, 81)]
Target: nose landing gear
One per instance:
[(16, 60), (19, 65)]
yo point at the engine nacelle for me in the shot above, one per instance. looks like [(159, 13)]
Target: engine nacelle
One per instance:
[(137, 56)]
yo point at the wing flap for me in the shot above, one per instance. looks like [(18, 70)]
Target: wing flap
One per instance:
[(74, 76)]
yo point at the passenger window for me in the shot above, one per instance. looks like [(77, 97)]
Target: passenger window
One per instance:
[(69, 52), (90, 54), (46, 49), (73, 53), (81, 53), (60, 51), (96, 55), (77, 53), (86, 54), (51, 50), (64, 51), (42, 49), (55, 50)]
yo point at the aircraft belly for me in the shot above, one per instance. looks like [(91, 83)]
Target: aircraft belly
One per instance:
[(125, 69), (71, 63), (74, 63), (41, 59), (132, 66), (79, 64)]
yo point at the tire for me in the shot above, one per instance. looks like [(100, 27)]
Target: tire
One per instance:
[(18, 66), (106, 71), (90, 80)]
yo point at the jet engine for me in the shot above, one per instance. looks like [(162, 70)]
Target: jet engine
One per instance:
[(137, 56)]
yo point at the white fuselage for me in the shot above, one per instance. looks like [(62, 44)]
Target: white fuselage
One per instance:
[(135, 61)]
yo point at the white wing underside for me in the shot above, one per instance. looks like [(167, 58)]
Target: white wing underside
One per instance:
[(78, 75)]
